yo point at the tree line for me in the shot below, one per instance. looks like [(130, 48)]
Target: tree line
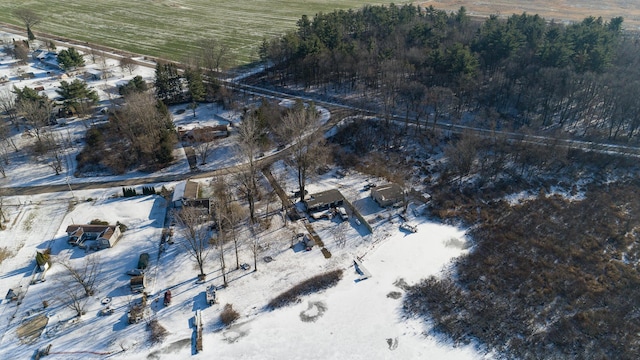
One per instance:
[(427, 64)]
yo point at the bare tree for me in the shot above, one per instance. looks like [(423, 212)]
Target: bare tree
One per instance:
[(55, 153), (203, 149), (36, 114), (4, 160), (29, 18), (340, 234), (86, 274), (75, 299), (142, 124), (250, 133), (297, 128), (3, 217), (8, 106), (127, 63), (222, 197), (442, 100), (214, 55), (236, 214), (21, 53), (256, 247), (195, 235), (462, 154), (7, 140)]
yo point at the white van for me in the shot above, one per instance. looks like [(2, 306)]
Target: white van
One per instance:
[(343, 214)]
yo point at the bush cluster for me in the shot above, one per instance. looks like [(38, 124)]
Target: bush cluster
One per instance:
[(309, 286), (228, 315), (158, 332)]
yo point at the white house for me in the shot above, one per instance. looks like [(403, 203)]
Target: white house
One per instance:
[(105, 236)]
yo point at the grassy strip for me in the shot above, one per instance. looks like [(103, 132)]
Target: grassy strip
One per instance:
[(312, 285), (170, 29)]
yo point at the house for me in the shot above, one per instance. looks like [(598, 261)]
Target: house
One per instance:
[(387, 195), (104, 236), (204, 134), (47, 58), (96, 74), (184, 192), (323, 200), (39, 54)]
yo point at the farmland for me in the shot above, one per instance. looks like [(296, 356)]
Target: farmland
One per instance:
[(558, 10), (170, 29)]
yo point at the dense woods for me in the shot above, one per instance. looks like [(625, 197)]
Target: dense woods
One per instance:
[(426, 64), (550, 278)]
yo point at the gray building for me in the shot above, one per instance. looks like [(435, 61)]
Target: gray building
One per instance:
[(323, 200), (388, 195)]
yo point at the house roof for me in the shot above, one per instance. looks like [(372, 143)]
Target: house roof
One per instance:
[(388, 192), (186, 190), (323, 198), (106, 231)]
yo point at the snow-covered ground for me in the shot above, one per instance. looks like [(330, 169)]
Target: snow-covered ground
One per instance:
[(354, 320)]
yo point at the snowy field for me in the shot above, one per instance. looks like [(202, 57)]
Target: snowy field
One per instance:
[(354, 320)]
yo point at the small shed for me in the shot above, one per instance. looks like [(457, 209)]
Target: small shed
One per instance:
[(323, 200), (387, 195)]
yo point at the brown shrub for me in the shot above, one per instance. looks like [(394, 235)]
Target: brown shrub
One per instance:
[(158, 332), (228, 315), (312, 285)]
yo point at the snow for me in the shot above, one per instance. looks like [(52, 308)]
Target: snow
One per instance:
[(353, 320)]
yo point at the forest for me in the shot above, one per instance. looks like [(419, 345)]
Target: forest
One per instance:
[(429, 65)]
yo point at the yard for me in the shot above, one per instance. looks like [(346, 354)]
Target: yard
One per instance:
[(340, 325)]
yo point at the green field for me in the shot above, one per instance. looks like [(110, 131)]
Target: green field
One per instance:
[(169, 29)]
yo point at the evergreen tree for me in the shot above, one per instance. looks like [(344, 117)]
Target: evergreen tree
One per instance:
[(70, 58), (196, 87), (77, 96), (137, 84), (168, 83)]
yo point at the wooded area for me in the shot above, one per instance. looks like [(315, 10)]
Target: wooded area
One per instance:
[(427, 64)]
